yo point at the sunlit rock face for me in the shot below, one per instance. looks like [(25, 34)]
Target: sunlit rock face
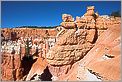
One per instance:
[(101, 63), (68, 21), (67, 18), (69, 48), (90, 11), (104, 57), (74, 41)]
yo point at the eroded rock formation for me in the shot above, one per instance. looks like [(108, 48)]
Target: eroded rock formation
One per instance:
[(15, 66), (11, 67), (73, 43)]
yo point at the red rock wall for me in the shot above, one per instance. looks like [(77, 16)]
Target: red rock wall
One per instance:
[(11, 65), (29, 32)]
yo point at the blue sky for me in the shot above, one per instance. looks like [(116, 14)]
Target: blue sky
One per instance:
[(49, 13)]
